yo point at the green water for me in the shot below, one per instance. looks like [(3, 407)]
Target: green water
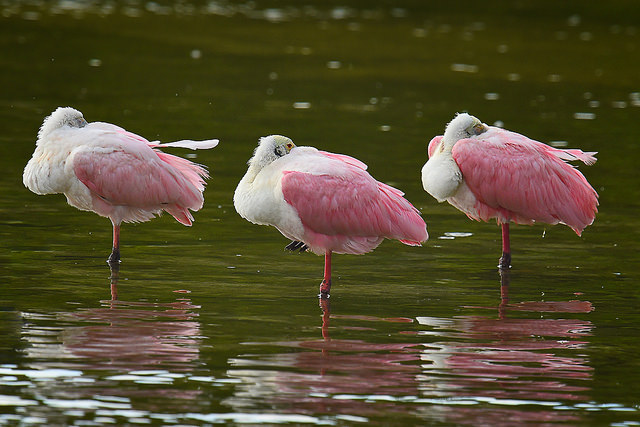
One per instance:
[(217, 323)]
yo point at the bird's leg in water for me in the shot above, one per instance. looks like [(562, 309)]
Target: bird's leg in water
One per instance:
[(505, 259), (114, 258), (325, 286)]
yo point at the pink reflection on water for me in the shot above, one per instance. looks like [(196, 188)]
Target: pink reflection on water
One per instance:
[(131, 343), (520, 358), (469, 369), (136, 335), (134, 338)]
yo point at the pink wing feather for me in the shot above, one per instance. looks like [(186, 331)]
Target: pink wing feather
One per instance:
[(433, 144), (135, 176), (518, 179), (346, 159), (351, 206)]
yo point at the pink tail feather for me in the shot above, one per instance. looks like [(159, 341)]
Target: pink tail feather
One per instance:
[(195, 174), (407, 223), (192, 198), (181, 214), (410, 242)]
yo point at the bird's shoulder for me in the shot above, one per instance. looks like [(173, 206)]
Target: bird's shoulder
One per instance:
[(497, 145), (105, 139), (316, 162), (327, 181)]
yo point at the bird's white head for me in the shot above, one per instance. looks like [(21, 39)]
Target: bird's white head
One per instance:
[(62, 116), (463, 126), (271, 148)]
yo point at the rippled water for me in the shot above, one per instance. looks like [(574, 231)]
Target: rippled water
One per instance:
[(217, 323)]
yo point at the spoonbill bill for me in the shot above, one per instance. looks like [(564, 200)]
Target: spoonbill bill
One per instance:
[(102, 168), (489, 172), (323, 202)]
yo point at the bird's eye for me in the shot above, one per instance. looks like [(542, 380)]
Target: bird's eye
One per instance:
[(475, 129), (478, 129), (289, 145)]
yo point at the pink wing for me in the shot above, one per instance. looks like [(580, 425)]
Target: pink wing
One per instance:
[(352, 204), (524, 180), (135, 176), (124, 134), (433, 144), (193, 172)]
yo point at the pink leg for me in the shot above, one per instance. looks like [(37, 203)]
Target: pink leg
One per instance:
[(325, 286), (115, 253), (505, 260)]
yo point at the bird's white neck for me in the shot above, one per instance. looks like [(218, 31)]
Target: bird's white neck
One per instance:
[(448, 142), (444, 148), (441, 176)]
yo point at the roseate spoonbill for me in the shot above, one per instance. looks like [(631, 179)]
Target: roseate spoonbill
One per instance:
[(323, 202), (117, 174), (488, 172)]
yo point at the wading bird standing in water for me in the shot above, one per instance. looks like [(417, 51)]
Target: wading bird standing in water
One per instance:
[(117, 174), (323, 202), (488, 172)]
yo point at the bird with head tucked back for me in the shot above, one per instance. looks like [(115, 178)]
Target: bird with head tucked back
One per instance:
[(117, 174), (489, 172), (323, 202)]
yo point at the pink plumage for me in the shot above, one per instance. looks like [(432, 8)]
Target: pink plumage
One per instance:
[(488, 172), (327, 201), (350, 213), (524, 181), (117, 174)]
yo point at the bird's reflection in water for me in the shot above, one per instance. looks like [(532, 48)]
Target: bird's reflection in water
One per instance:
[(115, 276), (133, 335), (447, 373), (120, 335), (111, 350), (510, 359), (325, 306), (574, 306)]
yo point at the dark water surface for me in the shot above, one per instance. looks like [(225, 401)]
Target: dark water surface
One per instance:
[(217, 323)]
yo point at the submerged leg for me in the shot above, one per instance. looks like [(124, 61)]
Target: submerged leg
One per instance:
[(114, 258), (325, 286), (505, 259)]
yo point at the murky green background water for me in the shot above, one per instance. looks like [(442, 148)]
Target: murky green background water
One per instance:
[(216, 323)]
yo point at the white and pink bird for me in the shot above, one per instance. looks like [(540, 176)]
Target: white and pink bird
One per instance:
[(117, 174), (488, 172), (323, 202)]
